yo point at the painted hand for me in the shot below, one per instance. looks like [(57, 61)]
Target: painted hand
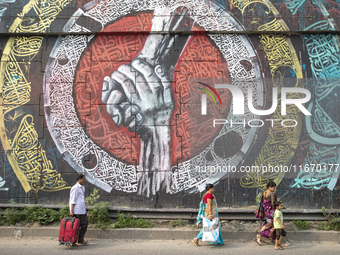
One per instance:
[(138, 96)]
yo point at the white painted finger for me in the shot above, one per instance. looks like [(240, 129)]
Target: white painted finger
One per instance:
[(126, 83), (149, 75), (115, 113), (142, 87), (116, 97), (128, 116), (107, 88), (129, 71), (167, 86)]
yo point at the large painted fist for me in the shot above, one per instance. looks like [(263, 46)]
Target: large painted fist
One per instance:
[(138, 96)]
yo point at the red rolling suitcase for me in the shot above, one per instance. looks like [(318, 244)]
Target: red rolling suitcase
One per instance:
[(69, 228)]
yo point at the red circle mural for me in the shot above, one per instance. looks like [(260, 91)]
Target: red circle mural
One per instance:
[(200, 59)]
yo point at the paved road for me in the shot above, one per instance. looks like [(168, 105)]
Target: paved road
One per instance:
[(50, 246)]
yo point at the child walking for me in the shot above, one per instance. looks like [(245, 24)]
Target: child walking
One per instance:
[(278, 225)]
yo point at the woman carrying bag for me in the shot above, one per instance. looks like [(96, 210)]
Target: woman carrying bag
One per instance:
[(265, 211), (208, 212)]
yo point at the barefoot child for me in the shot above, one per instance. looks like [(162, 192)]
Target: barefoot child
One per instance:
[(278, 225)]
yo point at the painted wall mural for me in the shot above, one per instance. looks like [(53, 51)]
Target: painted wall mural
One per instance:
[(154, 99)]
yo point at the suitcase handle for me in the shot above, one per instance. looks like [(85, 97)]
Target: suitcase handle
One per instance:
[(69, 219)]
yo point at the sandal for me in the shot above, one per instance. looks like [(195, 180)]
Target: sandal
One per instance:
[(278, 248), (258, 242), (83, 242), (195, 242)]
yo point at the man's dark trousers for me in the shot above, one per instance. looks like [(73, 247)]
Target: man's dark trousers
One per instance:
[(83, 226)]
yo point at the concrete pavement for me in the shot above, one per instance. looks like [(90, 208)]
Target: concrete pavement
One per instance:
[(43, 246), (167, 234)]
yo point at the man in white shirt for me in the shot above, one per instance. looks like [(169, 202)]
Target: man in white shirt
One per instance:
[(77, 206)]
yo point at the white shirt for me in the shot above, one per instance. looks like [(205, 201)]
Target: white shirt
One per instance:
[(77, 197)]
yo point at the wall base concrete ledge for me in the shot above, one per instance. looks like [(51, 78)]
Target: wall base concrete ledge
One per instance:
[(167, 234)]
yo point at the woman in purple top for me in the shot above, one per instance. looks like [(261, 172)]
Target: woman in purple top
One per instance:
[(267, 199)]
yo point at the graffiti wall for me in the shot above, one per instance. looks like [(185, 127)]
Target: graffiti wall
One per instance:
[(154, 99)]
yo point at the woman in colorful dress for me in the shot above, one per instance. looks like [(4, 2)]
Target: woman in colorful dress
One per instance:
[(208, 208), (267, 199)]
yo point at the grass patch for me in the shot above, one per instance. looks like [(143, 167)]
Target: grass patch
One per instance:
[(99, 214), (128, 222), (92, 199), (13, 216), (333, 220), (44, 216), (301, 224), (64, 212), (177, 223), (2, 218)]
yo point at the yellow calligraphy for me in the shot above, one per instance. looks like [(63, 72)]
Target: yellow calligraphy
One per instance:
[(15, 91), (32, 159), (281, 142)]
